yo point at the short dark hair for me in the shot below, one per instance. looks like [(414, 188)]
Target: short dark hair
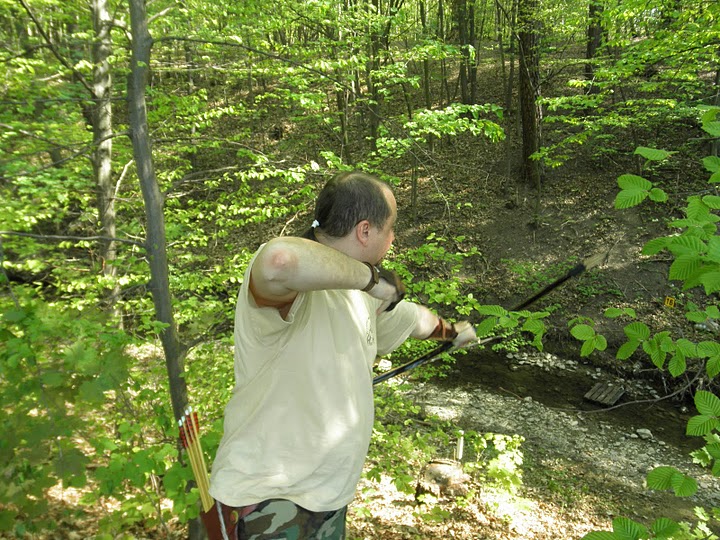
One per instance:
[(346, 200)]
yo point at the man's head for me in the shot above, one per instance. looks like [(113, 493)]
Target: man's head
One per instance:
[(349, 198), (358, 205)]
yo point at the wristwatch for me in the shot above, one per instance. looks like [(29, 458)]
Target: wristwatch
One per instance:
[(374, 277)]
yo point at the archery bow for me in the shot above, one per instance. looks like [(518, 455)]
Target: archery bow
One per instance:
[(448, 347)]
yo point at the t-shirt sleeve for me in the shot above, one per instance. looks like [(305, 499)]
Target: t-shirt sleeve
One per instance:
[(394, 327), (261, 324)]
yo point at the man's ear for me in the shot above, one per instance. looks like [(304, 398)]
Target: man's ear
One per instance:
[(362, 231)]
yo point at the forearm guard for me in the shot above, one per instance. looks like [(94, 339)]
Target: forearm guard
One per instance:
[(444, 331)]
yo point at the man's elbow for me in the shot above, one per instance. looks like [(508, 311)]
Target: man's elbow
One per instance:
[(276, 263)]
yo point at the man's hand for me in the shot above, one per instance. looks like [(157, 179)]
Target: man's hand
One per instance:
[(390, 289), (465, 334)]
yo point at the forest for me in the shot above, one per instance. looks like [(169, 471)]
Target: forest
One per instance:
[(149, 147)]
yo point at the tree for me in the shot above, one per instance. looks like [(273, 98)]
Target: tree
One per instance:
[(102, 141), (529, 47), (595, 36), (99, 116), (155, 243), (464, 11)]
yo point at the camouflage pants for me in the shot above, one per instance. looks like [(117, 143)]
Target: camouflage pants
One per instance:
[(278, 519)]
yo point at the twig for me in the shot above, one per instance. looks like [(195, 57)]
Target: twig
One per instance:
[(56, 238)]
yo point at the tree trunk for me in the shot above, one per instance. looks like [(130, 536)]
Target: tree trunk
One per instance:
[(594, 39), (472, 59), (102, 142), (500, 15), (425, 62), (155, 243), (373, 69), (511, 56), (461, 19), (530, 89), (715, 149), (443, 62)]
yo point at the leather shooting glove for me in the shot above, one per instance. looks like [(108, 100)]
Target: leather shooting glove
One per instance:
[(460, 333), (465, 333), (393, 279)]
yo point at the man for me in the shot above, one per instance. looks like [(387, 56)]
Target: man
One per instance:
[(312, 315)]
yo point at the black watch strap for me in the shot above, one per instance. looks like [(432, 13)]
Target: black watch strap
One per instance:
[(374, 277)]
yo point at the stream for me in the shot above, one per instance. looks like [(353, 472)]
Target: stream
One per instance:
[(562, 384)]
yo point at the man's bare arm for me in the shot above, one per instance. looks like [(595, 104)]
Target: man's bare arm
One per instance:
[(287, 266)]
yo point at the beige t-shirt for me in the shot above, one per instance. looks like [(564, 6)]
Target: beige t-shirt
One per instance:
[(299, 422)]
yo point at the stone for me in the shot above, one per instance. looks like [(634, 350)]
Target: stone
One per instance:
[(443, 478)]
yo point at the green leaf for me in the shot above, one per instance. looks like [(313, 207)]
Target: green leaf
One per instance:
[(707, 403), (587, 348), (52, 379), (627, 349), (661, 477), (713, 367), (713, 201), (534, 326), (713, 128), (684, 266), (708, 349), (684, 486), (627, 529), (494, 310), (686, 245), (637, 331), (7, 519), (612, 313), (92, 392), (655, 246), (15, 315), (696, 316), (713, 249), (628, 198), (600, 535), (599, 342), (486, 326), (699, 426), (583, 332), (677, 365), (654, 350), (634, 182), (652, 154), (696, 209), (658, 195), (713, 450), (70, 466), (711, 282), (664, 528), (686, 347)]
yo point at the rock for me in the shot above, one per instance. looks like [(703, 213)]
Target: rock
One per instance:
[(443, 478), (644, 434), (384, 365)]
